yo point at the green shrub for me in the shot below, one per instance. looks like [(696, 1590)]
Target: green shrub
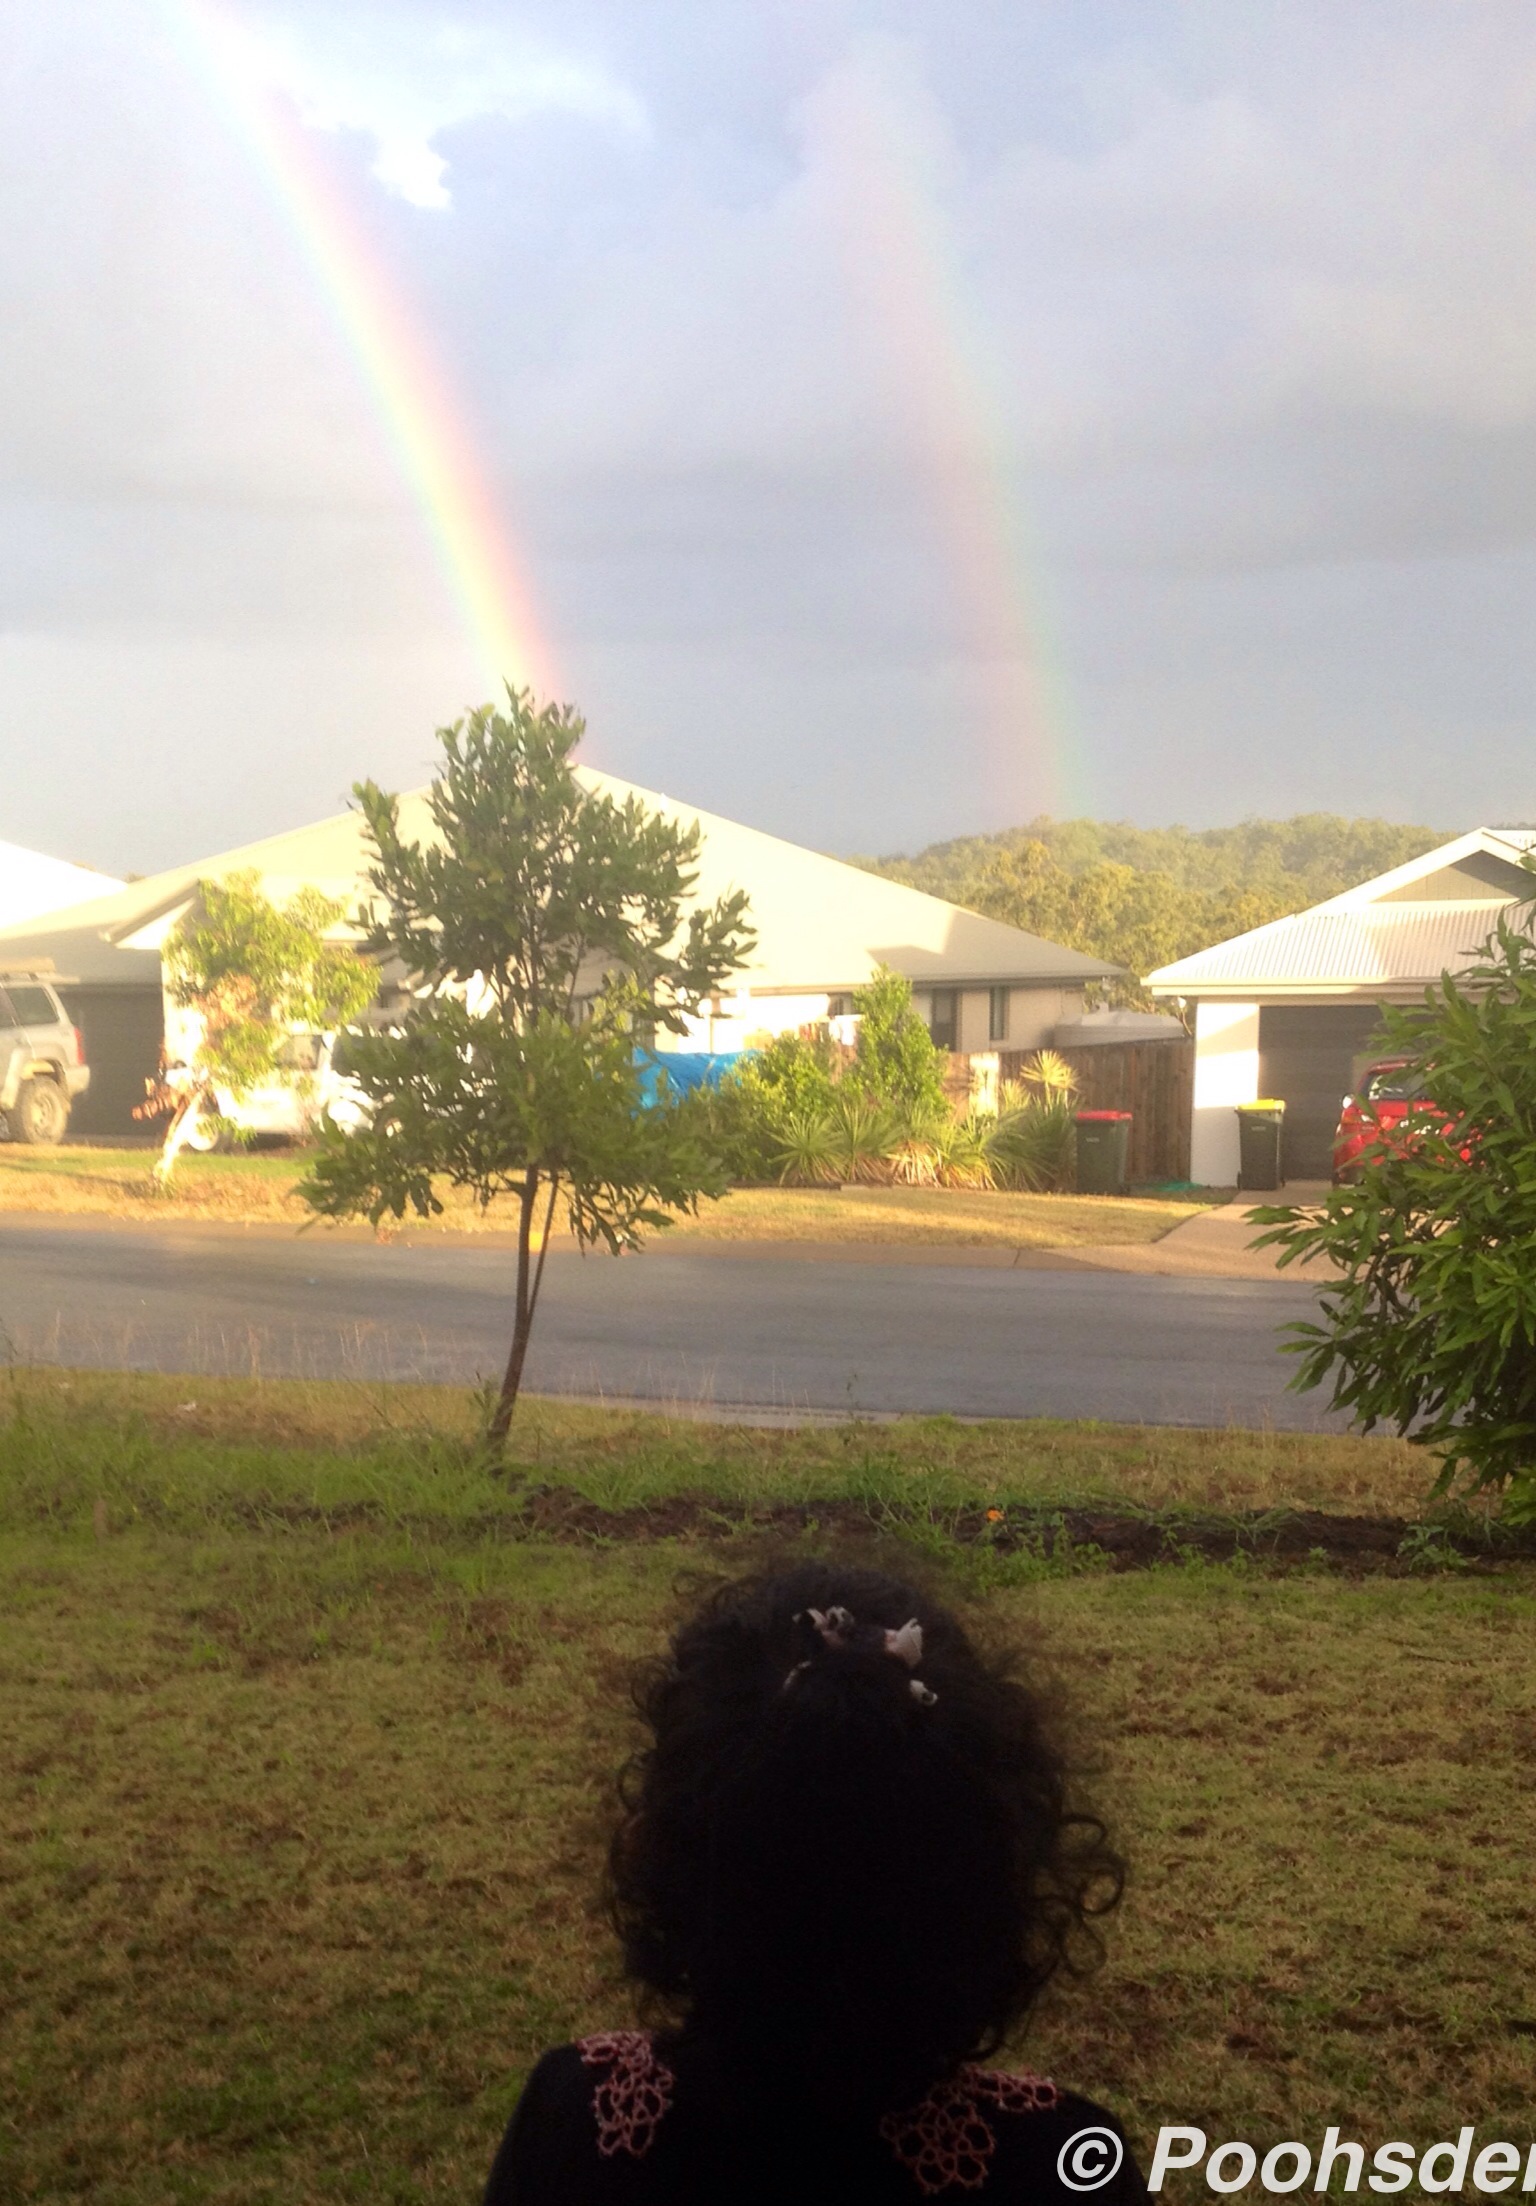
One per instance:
[(804, 1149), (866, 1135), (1033, 1144), (1429, 1320), (751, 1109), (895, 1061)]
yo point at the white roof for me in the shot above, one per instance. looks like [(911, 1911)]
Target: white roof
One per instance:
[(31, 884), (820, 924), (1375, 939)]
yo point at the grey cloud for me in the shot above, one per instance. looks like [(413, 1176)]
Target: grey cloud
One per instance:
[(1206, 355)]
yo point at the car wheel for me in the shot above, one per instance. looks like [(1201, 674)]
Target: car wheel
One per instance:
[(40, 1113), (205, 1137)]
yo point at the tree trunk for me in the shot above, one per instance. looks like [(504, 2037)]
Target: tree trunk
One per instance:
[(176, 1133), (530, 1277)]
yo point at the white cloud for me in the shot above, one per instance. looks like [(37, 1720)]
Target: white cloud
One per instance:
[(401, 80)]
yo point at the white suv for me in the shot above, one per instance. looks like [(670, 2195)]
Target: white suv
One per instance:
[(312, 1084), (42, 1060)]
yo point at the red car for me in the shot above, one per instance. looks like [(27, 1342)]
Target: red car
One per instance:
[(1390, 1096)]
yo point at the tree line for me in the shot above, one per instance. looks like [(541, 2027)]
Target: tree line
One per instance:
[(1144, 896)]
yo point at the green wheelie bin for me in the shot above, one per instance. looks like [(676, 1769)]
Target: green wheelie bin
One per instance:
[(1260, 1136), (1103, 1144)]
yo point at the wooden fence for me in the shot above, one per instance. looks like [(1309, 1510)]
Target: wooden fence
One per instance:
[(1154, 1081)]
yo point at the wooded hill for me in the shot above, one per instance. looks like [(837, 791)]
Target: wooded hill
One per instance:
[(1147, 895)]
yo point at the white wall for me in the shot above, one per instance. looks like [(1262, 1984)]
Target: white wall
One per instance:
[(744, 1019), (1226, 1074)]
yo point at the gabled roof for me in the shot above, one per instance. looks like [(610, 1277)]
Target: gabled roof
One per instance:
[(1377, 938), (31, 884), (820, 924), (1507, 843)]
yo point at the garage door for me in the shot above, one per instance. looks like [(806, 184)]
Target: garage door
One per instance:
[(1309, 1054), (122, 1029)]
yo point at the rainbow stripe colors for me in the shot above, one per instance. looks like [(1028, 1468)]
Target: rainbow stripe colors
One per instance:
[(421, 418), (904, 270)]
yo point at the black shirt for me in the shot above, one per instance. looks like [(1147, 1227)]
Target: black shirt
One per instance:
[(614, 2119)]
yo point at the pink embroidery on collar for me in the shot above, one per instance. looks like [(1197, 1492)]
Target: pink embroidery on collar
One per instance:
[(633, 2094), (947, 2143)]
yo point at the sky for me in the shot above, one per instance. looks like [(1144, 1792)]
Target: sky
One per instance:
[(885, 420)]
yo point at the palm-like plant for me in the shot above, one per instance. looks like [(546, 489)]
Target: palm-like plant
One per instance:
[(1046, 1077), (964, 1151), (866, 1136), (1034, 1145), (806, 1149), (920, 1132)]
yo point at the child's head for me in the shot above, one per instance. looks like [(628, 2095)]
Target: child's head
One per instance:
[(849, 1863)]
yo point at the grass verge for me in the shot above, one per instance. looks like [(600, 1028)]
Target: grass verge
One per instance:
[(255, 1187), (302, 1814)]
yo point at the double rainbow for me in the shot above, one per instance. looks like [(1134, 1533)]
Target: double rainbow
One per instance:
[(907, 271)]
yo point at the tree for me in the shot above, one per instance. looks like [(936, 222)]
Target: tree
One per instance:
[(1432, 1324), (251, 973), (1299, 860), (1142, 897), (543, 931), (895, 1060), (1111, 910)]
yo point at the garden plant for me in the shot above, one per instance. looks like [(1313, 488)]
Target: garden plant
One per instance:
[(807, 1113), (542, 929), (1430, 1325), (251, 973)]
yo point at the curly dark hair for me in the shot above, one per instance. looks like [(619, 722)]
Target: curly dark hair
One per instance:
[(831, 1882)]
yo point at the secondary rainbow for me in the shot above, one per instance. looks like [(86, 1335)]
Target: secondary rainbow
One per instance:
[(422, 419), (903, 261)]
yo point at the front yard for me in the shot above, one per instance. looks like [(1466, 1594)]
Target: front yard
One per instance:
[(256, 1188), (307, 1730)]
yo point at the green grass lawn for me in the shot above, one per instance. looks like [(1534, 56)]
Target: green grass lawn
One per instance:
[(256, 1187), (307, 1736)]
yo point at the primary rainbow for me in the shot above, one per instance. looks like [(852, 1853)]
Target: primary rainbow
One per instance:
[(421, 418)]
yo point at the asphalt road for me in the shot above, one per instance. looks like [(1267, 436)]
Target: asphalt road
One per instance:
[(781, 1335)]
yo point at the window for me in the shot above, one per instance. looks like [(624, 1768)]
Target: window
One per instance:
[(7, 1015), (839, 1007), (944, 1017), (33, 1006), (1394, 1084), (300, 1053), (997, 1015)]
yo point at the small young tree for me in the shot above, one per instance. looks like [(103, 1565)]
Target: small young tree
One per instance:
[(1430, 1324), (896, 1062), (251, 973), (544, 931)]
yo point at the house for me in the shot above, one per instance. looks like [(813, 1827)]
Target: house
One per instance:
[(31, 884), (823, 928), (1293, 1009)]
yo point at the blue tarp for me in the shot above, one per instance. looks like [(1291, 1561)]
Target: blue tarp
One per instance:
[(685, 1069)]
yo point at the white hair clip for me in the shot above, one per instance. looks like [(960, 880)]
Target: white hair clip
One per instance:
[(835, 1628), (834, 1625), (907, 1646)]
